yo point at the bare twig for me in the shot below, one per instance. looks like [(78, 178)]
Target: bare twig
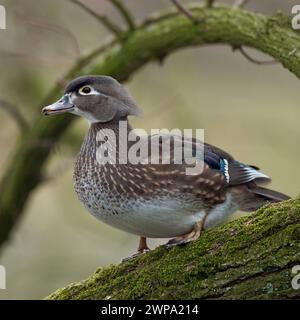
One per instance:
[(249, 58), (103, 19), (240, 3), (185, 11), (14, 113), (59, 30), (125, 13), (51, 27)]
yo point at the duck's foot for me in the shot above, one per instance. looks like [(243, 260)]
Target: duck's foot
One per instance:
[(190, 237), (183, 239), (142, 249)]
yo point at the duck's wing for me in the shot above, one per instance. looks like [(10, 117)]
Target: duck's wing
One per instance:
[(171, 147), (236, 172)]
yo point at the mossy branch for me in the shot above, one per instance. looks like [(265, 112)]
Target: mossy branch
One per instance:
[(249, 258), (151, 41)]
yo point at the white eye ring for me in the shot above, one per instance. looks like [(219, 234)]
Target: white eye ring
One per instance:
[(88, 90)]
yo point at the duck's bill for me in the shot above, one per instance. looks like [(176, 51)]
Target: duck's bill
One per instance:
[(61, 106)]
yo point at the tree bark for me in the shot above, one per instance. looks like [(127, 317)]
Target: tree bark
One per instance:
[(249, 258)]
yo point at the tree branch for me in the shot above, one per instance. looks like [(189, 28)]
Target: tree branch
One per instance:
[(103, 19), (121, 60), (249, 258), (181, 8), (125, 13), (59, 30), (14, 113), (249, 58)]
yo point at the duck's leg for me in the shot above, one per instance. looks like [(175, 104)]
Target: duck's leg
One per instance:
[(142, 249), (192, 236)]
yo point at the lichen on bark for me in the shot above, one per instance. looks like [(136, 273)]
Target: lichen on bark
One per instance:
[(249, 258)]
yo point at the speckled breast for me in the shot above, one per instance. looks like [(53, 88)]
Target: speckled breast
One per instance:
[(124, 204), (136, 198)]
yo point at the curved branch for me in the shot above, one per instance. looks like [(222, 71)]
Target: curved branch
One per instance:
[(154, 39), (14, 113), (103, 19), (249, 258), (249, 58), (125, 13), (184, 10), (50, 27)]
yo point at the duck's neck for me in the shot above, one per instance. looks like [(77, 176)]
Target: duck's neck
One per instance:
[(111, 136)]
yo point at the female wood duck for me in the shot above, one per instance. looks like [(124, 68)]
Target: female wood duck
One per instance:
[(146, 199)]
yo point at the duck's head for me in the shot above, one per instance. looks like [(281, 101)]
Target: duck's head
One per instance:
[(97, 98)]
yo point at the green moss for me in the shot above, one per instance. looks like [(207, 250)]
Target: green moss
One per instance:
[(248, 258)]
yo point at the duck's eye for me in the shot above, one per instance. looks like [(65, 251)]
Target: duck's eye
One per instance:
[(85, 90)]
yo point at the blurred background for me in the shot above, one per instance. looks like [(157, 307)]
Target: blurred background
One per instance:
[(249, 110)]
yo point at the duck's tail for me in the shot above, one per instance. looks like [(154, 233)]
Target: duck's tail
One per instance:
[(259, 196)]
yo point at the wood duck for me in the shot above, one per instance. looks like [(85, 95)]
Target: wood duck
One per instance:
[(153, 200)]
